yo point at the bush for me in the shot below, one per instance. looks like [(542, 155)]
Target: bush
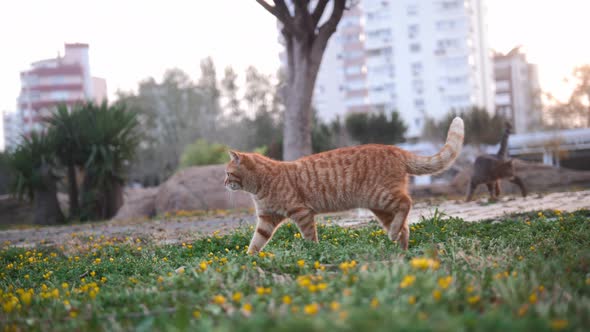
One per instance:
[(202, 153)]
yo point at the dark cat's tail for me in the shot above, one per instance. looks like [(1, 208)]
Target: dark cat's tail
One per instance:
[(418, 165)]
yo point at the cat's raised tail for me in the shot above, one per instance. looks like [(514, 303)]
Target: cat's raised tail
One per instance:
[(418, 165)]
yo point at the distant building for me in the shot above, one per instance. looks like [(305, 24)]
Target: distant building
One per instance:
[(12, 128), (421, 58), (64, 79), (518, 94)]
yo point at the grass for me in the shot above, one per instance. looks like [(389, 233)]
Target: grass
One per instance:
[(527, 272)]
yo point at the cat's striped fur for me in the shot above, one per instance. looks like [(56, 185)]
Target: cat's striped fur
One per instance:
[(366, 176)]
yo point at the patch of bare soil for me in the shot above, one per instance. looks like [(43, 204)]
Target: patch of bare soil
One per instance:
[(177, 230)]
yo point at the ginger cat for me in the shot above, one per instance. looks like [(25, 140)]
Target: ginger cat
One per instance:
[(368, 176)]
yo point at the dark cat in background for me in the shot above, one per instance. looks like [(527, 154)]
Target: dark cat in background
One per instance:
[(490, 169)]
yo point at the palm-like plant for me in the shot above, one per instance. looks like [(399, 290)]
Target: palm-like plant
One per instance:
[(64, 126), (32, 164), (109, 139)]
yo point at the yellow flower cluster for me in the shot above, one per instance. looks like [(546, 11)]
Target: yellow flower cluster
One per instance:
[(445, 282), (424, 263), (347, 266), (311, 309), (407, 281), (312, 283), (263, 290)]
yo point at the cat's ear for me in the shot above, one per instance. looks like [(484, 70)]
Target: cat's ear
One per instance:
[(235, 157)]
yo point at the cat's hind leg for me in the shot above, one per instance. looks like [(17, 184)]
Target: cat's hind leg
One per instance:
[(497, 188), (305, 220), (392, 213), (517, 181), (471, 190), (265, 228), (491, 190)]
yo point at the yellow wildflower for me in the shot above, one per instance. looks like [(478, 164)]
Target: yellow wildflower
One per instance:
[(436, 294), (445, 282), (473, 299), (287, 299), (203, 265), (423, 263), (334, 306), (311, 309), (559, 324), (407, 281), (374, 303), (533, 298), (65, 285), (219, 299), (412, 299), (247, 308), (237, 297), (197, 314), (301, 263)]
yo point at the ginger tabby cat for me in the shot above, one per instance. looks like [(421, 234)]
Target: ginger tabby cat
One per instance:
[(369, 176)]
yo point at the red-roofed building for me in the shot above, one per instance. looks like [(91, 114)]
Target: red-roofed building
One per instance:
[(64, 79)]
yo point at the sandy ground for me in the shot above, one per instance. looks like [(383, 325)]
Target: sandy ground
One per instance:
[(176, 230)]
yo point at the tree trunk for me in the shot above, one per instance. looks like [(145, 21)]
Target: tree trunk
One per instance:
[(113, 199), (73, 192), (47, 210), (301, 83)]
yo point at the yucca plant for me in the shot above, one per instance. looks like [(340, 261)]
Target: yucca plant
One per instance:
[(110, 137), (64, 127), (34, 178)]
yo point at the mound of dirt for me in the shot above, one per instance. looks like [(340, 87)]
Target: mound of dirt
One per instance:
[(199, 188), (13, 211), (138, 203)]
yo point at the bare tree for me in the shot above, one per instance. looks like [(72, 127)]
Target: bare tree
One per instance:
[(305, 42)]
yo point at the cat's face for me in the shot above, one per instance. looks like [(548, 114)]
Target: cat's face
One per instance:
[(234, 172)]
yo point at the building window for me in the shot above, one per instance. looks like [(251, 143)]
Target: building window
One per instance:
[(413, 31), (419, 103), (415, 47), (502, 85), (353, 70), (416, 68), (449, 5), (412, 10)]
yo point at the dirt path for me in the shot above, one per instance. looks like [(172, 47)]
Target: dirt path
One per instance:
[(176, 230)]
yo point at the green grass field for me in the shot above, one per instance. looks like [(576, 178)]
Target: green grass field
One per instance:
[(526, 272)]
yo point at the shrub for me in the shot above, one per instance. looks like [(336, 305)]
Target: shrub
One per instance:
[(202, 153)]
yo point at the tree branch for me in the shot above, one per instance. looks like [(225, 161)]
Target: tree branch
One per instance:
[(318, 12), (268, 7), (281, 12), (330, 26), (326, 30)]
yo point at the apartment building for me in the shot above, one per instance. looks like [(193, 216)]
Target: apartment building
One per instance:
[(64, 79), (421, 58)]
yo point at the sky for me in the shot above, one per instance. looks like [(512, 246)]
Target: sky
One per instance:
[(135, 39)]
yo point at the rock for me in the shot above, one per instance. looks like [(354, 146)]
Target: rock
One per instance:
[(199, 188), (138, 203)]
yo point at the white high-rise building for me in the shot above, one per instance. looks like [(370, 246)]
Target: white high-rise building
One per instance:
[(419, 57)]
